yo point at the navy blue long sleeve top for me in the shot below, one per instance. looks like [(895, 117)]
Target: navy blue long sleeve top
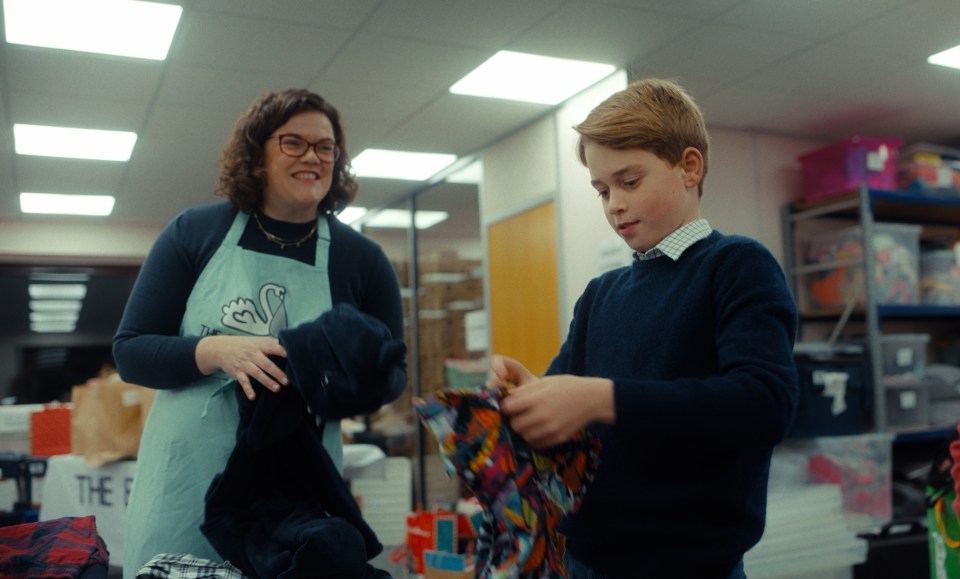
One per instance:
[(700, 354), (147, 347)]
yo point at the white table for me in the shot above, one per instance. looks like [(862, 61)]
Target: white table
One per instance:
[(71, 488)]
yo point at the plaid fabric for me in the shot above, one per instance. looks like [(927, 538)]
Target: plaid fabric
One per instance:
[(174, 566), (55, 549), (677, 242), (524, 493)]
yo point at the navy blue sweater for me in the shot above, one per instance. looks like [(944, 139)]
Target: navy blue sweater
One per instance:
[(700, 353), (147, 347)]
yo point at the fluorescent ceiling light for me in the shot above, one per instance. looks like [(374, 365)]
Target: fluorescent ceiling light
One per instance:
[(351, 214), (57, 291), (53, 327), (70, 143), (472, 174), (400, 164), (53, 203), (59, 276), (531, 78), (55, 317), (949, 57), (400, 218), (56, 305), (119, 27)]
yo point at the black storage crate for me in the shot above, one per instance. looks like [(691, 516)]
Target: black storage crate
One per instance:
[(825, 408)]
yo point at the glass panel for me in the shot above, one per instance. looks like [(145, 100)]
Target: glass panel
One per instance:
[(449, 298), (394, 428)]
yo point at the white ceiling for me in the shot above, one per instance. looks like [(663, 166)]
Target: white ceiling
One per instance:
[(813, 68)]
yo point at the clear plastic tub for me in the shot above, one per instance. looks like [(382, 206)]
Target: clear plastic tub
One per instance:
[(904, 357), (896, 249)]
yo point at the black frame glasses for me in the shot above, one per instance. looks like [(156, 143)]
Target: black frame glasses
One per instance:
[(293, 145)]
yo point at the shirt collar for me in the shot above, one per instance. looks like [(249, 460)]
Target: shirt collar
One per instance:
[(679, 241)]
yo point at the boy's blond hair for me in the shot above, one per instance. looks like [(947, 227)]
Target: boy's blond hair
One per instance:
[(652, 114)]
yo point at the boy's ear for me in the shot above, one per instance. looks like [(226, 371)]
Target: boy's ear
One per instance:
[(691, 161)]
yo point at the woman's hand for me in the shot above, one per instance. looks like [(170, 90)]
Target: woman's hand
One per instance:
[(244, 358)]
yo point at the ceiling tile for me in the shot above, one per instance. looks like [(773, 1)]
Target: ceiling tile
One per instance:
[(723, 53), (347, 14), (233, 42), (835, 68), (820, 19), (429, 130), (466, 23), (69, 176), (81, 75), (59, 108), (600, 33), (400, 63), (914, 31)]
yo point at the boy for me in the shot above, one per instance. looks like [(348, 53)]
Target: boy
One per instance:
[(681, 362)]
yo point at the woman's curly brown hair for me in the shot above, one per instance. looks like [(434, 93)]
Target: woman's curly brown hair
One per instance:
[(242, 175)]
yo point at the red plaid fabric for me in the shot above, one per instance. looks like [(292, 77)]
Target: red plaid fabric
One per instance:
[(62, 548)]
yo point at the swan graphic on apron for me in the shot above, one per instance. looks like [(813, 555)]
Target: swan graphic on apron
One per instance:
[(191, 431)]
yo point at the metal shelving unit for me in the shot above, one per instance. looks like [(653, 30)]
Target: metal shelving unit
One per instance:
[(865, 208)]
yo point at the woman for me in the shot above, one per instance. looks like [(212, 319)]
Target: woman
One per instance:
[(220, 283)]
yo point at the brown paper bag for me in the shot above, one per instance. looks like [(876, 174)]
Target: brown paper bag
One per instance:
[(108, 417)]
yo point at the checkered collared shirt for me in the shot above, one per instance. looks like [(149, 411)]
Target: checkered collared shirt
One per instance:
[(677, 242)]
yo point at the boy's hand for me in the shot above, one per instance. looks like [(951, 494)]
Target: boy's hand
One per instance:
[(553, 410), (504, 370)]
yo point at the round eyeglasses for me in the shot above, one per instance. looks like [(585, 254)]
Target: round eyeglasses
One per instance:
[(296, 146)]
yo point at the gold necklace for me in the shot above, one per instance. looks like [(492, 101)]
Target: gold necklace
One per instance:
[(281, 241)]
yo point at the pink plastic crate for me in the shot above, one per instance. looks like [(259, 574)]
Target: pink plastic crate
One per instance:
[(846, 165)]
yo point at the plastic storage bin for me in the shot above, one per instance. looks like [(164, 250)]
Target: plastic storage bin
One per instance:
[(834, 391), (940, 277), (908, 405), (861, 465), (846, 165), (931, 169), (896, 249), (904, 357)]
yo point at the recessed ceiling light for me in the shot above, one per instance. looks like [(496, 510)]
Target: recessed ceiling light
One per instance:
[(472, 174), (53, 327), (118, 27), (56, 305), (63, 316), (57, 204), (59, 276), (949, 57), (400, 218), (531, 78), (400, 164), (70, 143), (351, 214), (57, 291)]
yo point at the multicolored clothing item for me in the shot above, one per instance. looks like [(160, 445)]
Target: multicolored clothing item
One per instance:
[(524, 493)]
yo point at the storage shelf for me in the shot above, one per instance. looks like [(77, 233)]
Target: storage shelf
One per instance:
[(895, 206), (923, 434), (869, 209), (919, 312)]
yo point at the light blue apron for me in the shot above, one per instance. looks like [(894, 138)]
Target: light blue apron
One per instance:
[(191, 431)]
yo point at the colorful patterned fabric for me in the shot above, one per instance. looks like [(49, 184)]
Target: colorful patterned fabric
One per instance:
[(59, 548), (524, 493)]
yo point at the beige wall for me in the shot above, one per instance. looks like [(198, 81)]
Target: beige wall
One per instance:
[(88, 242)]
